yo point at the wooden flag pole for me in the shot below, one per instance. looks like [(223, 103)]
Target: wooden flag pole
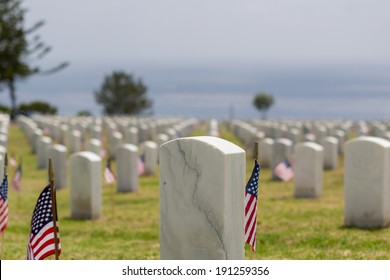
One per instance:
[(54, 208), (2, 245), (256, 151), (5, 164)]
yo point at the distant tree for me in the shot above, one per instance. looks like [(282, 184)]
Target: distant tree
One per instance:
[(121, 94), (263, 101), (84, 113), (19, 49), (39, 107), (4, 109)]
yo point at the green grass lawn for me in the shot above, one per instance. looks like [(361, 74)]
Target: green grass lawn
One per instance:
[(288, 228)]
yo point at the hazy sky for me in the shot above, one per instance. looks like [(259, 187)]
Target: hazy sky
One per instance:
[(200, 30), (100, 36)]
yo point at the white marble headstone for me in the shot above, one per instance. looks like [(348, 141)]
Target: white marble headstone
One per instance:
[(96, 132), (131, 135), (57, 153), (281, 150), (265, 152), (127, 168), (150, 153), (43, 144), (308, 169), (115, 140), (162, 138), (94, 145), (143, 133), (36, 135), (85, 185), (75, 141), (331, 154), (367, 182), (202, 185), (3, 140), (3, 151)]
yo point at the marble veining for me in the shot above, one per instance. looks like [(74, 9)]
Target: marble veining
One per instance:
[(198, 178), (198, 203)]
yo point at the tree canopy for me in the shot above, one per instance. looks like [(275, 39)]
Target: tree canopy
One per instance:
[(37, 106), (262, 102), (120, 93), (84, 113), (20, 48)]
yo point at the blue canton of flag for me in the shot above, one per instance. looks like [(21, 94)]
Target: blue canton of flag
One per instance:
[(4, 187), (251, 191), (4, 203)]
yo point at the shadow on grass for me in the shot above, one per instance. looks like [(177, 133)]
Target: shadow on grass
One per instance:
[(368, 229), (283, 197)]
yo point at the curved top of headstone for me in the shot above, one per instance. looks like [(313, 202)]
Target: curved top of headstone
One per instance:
[(217, 143), (260, 134), (284, 141), (117, 134), (340, 132), (95, 141), (88, 155), (375, 140), (45, 139), (130, 147), (311, 145), (150, 144), (267, 140), (133, 129), (76, 133), (163, 136), (331, 139), (59, 147)]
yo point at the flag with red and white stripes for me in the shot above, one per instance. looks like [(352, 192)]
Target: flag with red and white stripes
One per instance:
[(41, 243), (284, 171), (4, 204), (109, 176), (17, 179), (251, 193), (141, 165)]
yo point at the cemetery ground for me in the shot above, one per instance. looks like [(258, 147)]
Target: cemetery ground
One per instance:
[(288, 228)]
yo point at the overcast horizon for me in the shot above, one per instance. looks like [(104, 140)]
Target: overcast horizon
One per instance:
[(214, 55)]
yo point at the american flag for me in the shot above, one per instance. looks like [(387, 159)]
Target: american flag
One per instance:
[(109, 176), (17, 179), (251, 191), (4, 204), (12, 162), (141, 165), (41, 242), (284, 171), (103, 153)]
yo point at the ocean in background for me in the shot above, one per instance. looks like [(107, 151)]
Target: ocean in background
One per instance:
[(223, 91)]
